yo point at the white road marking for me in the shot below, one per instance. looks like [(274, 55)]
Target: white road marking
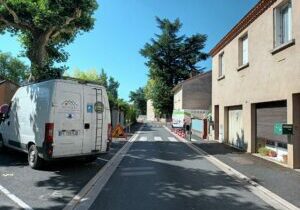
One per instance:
[(15, 198), (89, 193), (157, 138), (172, 139), (143, 138)]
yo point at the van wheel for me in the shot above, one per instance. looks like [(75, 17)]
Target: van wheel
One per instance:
[(34, 160)]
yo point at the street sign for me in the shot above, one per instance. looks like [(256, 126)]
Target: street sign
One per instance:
[(287, 129), (283, 129)]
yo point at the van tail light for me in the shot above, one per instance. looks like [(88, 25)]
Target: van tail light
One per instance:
[(109, 132), (49, 132)]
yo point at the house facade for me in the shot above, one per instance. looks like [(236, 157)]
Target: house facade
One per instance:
[(150, 111), (192, 101), (7, 91), (256, 81)]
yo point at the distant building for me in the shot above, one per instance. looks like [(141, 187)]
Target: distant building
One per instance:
[(256, 81), (150, 111), (7, 90), (192, 101)]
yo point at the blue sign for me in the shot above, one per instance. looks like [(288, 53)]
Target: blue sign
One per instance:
[(90, 108)]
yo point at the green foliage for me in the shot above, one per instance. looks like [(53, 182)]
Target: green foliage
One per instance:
[(171, 59), (160, 93), (138, 98), (132, 114), (264, 151), (44, 28), (12, 68), (89, 75)]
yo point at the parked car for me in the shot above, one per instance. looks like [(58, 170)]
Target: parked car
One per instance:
[(57, 119)]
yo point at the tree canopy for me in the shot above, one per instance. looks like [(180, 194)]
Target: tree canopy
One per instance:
[(139, 100), (44, 27), (12, 68), (171, 58)]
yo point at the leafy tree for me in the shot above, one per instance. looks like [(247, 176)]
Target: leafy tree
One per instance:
[(139, 100), (89, 75), (160, 93), (172, 58), (44, 27), (103, 78), (12, 68), (113, 87)]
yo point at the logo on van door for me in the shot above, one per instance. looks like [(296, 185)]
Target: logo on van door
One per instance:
[(99, 107)]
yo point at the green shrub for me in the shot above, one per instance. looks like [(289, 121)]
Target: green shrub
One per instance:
[(263, 151)]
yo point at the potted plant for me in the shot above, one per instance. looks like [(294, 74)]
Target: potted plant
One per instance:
[(272, 153), (263, 151), (284, 159)]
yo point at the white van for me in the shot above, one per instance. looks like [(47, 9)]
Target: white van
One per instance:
[(58, 119)]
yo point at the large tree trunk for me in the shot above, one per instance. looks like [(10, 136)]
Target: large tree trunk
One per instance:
[(38, 56)]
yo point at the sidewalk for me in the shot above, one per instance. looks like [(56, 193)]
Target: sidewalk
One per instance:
[(280, 180)]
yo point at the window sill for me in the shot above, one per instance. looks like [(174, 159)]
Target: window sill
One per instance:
[(283, 46), (221, 77), (243, 67)]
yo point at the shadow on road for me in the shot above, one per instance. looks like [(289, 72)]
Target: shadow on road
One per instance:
[(168, 175)]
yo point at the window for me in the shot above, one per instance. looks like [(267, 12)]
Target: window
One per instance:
[(221, 65), (283, 23), (244, 59)]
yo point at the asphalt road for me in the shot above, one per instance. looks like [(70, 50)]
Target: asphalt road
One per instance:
[(158, 172), (50, 188)]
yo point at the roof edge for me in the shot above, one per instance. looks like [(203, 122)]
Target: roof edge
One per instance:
[(179, 85), (247, 20)]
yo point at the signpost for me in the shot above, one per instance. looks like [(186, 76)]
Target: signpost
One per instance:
[(283, 129)]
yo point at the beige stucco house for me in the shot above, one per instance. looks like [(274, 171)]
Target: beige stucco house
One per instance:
[(192, 102), (256, 80), (193, 93), (150, 111)]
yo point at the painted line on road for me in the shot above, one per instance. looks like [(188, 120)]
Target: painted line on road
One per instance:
[(157, 138), (14, 198), (263, 193), (89, 193), (172, 139), (143, 138)]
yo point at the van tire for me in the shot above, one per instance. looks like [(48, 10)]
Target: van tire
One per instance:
[(34, 160)]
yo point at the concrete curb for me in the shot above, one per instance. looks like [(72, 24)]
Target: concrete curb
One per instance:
[(88, 194), (266, 195)]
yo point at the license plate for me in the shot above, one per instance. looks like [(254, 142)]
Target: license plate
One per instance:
[(68, 133)]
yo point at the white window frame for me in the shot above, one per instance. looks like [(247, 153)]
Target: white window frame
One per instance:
[(244, 50), (283, 29), (221, 69)]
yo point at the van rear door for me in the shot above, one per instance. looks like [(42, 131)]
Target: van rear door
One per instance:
[(93, 119), (68, 120)]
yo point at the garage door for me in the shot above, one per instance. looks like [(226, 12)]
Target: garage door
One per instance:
[(267, 114), (235, 127)]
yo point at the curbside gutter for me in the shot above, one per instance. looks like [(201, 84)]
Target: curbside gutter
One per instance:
[(263, 193)]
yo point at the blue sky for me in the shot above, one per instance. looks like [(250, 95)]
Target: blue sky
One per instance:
[(124, 26)]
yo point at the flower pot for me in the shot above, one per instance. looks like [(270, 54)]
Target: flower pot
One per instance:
[(272, 153), (284, 159)]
